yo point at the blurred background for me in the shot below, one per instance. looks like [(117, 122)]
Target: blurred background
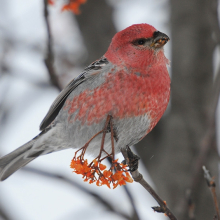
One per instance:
[(172, 155)]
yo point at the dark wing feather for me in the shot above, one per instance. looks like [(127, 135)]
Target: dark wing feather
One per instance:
[(60, 100)]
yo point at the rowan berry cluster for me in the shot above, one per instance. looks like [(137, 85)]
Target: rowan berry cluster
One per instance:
[(96, 172), (72, 5)]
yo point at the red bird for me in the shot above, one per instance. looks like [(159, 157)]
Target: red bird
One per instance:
[(113, 103)]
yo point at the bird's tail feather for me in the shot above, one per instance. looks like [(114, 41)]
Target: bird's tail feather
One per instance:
[(17, 159)]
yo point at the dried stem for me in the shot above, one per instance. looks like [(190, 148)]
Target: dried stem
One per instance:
[(211, 184), (138, 177), (49, 59), (87, 144), (103, 136), (112, 140)]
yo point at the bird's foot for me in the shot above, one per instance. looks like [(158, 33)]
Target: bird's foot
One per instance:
[(132, 160)]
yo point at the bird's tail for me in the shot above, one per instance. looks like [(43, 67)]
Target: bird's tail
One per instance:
[(17, 159)]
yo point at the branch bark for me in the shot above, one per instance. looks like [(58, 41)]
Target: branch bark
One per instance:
[(49, 59), (138, 177), (211, 184)]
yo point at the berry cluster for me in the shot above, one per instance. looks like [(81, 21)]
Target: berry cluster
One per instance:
[(71, 5), (97, 172)]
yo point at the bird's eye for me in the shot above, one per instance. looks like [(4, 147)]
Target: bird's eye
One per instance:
[(141, 41)]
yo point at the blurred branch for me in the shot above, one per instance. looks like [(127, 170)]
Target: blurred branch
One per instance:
[(97, 33), (3, 215), (211, 184), (190, 204), (135, 212), (78, 186), (138, 177), (50, 56), (214, 20), (208, 139)]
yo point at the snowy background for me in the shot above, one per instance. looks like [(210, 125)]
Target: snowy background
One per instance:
[(26, 98)]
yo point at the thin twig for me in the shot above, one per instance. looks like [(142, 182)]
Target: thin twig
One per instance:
[(211, 184), (190, 204), (76, 185), (138, 177), (205, 147), (49, 59)]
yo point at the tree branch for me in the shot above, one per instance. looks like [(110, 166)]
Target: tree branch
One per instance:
[(49, 59), (135, 212), (211, 184), (190, 204), (138, 177)]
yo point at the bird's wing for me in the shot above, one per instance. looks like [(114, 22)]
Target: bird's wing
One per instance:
[(94, 68)]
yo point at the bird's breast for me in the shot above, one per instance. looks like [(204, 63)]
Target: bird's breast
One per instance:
[(122, 95)]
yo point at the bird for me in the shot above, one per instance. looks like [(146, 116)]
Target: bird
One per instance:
[(116, 101)]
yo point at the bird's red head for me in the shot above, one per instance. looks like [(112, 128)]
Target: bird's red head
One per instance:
[(137, 45)]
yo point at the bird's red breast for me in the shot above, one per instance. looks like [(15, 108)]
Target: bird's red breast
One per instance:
[(124, 95)]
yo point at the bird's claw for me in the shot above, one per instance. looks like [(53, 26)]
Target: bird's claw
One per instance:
[(132, 160)]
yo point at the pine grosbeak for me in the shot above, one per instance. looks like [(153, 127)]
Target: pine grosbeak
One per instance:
[(121, 96)]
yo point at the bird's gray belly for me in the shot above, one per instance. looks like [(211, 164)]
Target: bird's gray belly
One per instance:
[(128, 131)]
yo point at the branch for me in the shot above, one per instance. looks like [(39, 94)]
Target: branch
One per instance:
[(190, 204), (78, 186), (4, 215), (49, 59), (135, 212), (211, 184), (138, 177)]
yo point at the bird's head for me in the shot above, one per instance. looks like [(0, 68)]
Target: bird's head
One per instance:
[(139, 44)]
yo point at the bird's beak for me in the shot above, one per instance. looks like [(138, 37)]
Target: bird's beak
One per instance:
[(159, 39)]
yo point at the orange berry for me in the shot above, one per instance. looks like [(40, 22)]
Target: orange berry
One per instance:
[(102, 166)]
